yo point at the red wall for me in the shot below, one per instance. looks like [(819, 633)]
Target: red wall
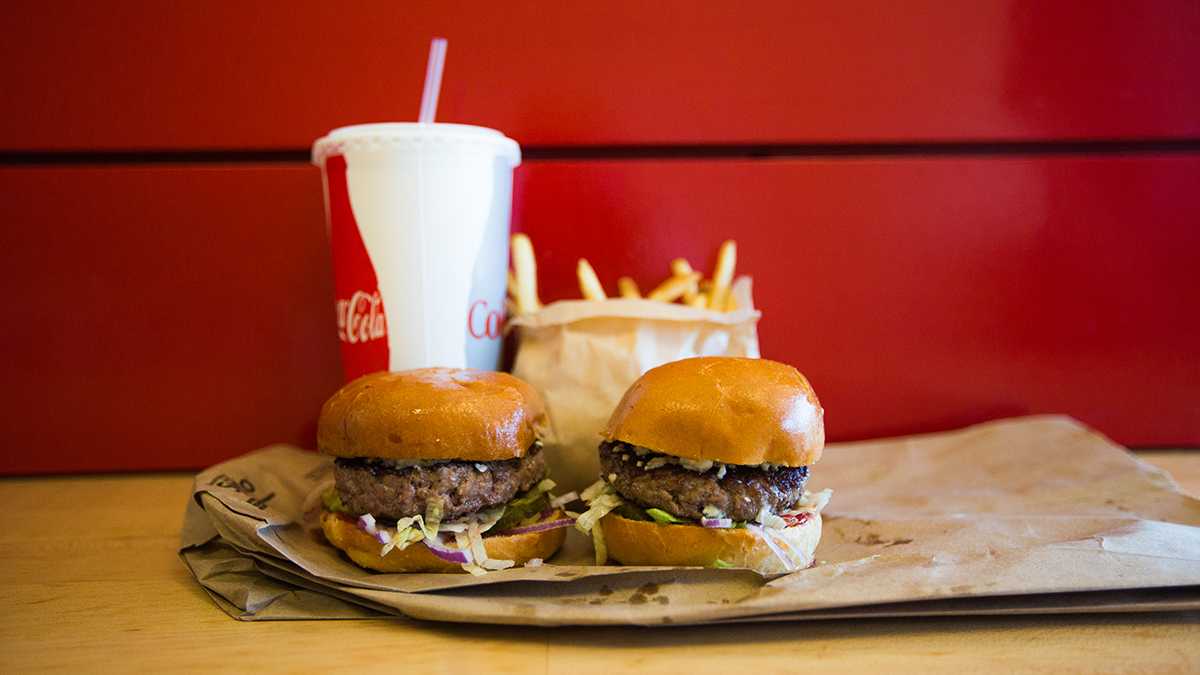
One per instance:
[(168, 292), (228, 74)]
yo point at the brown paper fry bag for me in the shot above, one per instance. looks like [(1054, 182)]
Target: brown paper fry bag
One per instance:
[(1039, 505), (582, 355)]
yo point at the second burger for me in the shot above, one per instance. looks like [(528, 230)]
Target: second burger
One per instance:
[(705, 462)]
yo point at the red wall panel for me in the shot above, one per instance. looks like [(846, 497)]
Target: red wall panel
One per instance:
[(231, 74), (161, 318), (172, 317)]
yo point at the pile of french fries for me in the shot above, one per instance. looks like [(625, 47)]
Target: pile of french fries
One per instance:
[(684, 285)]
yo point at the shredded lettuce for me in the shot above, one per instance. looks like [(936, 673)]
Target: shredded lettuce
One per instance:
[(475, 537), (487, 519), (468, 532), (722, 565), (598, 543), (597, 509), (603, 499), (462, 543), (479, 551), (408, 531), (404, 536), (595, 490), (433, 518)]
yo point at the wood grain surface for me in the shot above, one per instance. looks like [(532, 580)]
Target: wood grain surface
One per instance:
[(92, 584)]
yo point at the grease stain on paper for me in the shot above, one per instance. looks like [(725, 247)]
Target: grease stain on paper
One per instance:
[(873, 539)]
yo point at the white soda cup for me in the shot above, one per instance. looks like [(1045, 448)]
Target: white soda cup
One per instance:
[(418, 218)]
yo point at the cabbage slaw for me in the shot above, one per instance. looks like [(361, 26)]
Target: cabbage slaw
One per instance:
[(601, 499), (467, 549)]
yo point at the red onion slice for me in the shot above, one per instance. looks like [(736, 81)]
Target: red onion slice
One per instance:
[(717, 523), (366, 523), (541, 526), (436, 547)]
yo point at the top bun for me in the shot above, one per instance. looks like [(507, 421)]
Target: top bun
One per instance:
[(726, 409), (432, 413)]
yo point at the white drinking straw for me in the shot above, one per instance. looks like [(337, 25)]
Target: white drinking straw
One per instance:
[(433, 80)]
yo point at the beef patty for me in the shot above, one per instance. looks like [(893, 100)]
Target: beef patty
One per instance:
[(684, 493), (377, 487)]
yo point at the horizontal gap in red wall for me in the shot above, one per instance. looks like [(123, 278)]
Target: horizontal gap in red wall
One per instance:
[(649, 152)]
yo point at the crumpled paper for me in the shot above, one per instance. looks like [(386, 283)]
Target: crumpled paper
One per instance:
[(583, 355), (1037, 514)]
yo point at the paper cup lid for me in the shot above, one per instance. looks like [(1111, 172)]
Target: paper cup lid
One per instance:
[(409, 135)]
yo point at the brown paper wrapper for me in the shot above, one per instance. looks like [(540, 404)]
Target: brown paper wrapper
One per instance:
[(1037, 514)]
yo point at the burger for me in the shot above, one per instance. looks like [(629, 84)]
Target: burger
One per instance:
[(439, 470), (705, 462)]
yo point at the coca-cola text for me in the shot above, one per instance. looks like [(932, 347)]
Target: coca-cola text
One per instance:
[(361, 318), (483, 322)]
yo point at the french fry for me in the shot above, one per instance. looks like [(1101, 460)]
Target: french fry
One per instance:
[(685, 284), (674, 287), (680, 267), (723, 275), (588, 283), (524, 281)]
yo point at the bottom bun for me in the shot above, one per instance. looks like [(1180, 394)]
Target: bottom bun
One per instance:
[(641, 542), (342, 531)]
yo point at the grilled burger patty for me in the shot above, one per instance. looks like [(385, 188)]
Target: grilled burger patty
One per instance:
[(684, 493), (377, 487)]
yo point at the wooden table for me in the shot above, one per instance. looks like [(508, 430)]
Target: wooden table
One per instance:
[(91, 581)]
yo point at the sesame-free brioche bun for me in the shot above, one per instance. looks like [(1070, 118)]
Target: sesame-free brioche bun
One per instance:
[(342, 531), (641, 542), (432, 413), (727, 409)]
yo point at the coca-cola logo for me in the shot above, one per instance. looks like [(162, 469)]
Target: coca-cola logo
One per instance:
[(361, 322), (361, 318), (483, 322)]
